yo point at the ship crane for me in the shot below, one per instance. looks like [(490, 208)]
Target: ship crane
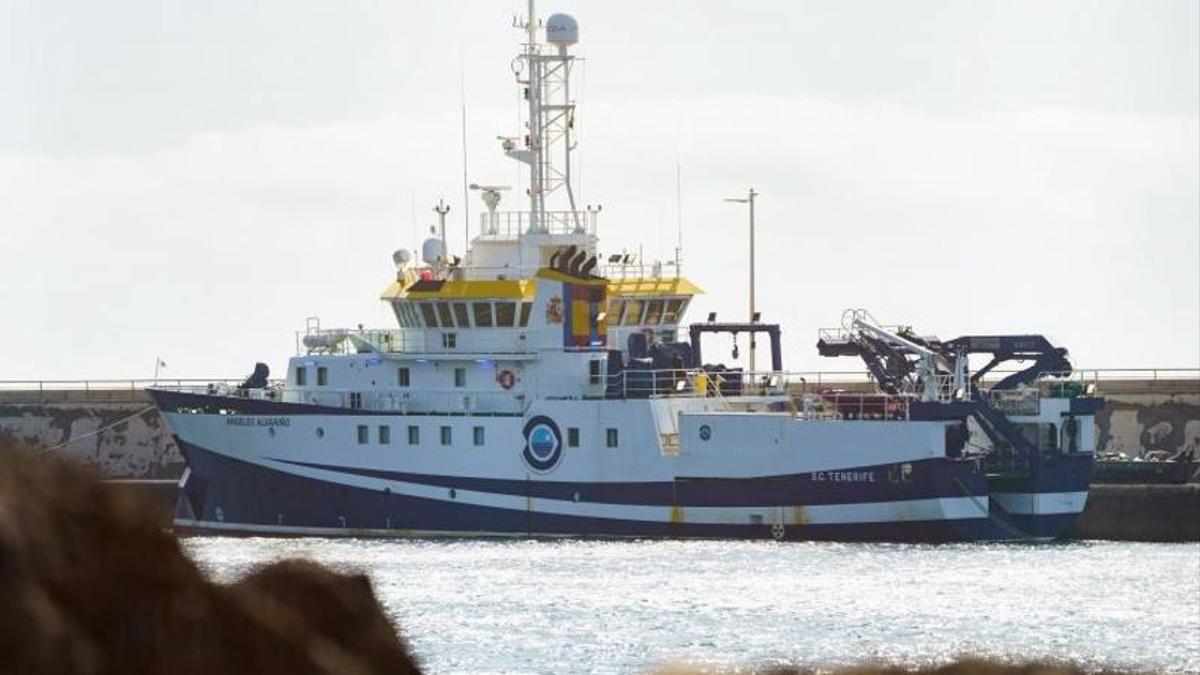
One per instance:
[(888, 355)]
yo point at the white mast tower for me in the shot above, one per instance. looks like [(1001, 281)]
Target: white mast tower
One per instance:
[(548, 145), (516, 242)]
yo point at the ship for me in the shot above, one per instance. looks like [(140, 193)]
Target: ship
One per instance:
[(532, 387)]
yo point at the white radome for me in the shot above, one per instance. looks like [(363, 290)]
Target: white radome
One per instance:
[(433, 251), (562, 30), (401, 257)]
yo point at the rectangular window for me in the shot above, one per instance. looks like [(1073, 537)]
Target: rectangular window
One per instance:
[(594, 372), (461, 315), (385, 434), (478, 433), (613, 315), (444, 315), (460, 377), (364, 434), (654, 310), (410, 312), (322, 376), (414, 434), (429, 315), (301, 376), (674, 309), (526, 307), (445, 435), (449, 340), (572, 437), (483, 315), (403, 378), (633, 313), (611, 438), (506, 314), (355, 400)]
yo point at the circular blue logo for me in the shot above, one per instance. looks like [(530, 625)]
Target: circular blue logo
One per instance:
[(543, 444), (705, 432)]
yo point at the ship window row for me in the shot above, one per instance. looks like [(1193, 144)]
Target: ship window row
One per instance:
[(383, 435), (445, 435), (645, 312), (301, 376), (403, 379), (453, 314)]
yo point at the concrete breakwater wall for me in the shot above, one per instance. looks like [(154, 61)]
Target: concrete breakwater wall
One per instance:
[(1141, 513), (1143, 416), (120, 434)]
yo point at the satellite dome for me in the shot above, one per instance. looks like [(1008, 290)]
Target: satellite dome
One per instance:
[(562, 30), (433, 252), (401, 257)]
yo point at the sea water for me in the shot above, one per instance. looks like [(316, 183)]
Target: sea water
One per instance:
[(480, 606)]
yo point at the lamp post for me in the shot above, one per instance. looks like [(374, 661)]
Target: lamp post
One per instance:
[(749, 199)]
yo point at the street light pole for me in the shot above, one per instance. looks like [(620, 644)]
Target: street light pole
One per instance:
[(749, 199)]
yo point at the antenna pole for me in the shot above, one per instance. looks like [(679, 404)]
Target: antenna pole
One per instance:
[(678, 220), (442, 209), (462, 94)]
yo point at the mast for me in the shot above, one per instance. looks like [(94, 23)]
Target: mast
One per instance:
[(547, 146)]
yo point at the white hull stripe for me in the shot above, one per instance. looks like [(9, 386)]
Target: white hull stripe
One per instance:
[(944, 508), (1041, 503)]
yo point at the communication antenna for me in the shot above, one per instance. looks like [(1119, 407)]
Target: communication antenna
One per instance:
[(442, 209), (678, 218), (462, 96)]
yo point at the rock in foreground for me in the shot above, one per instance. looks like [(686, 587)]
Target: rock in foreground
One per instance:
[(91, 583)]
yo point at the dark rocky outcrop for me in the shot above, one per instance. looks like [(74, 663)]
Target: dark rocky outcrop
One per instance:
[(90, 582)]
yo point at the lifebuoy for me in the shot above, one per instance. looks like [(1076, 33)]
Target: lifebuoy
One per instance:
[(506, 378)]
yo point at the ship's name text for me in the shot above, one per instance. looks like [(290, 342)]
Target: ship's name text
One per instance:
[(843, 476), (244, 421)]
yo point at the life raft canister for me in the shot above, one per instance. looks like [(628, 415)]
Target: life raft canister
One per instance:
[(506, 378)]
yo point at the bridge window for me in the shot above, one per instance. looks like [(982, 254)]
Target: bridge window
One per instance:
[(444, 315), (483, 314), (633, 313), (674, 310), (526, 307), (614, 312), (355, 400), (449, 340), (506, 314), (429, 315), (461, 315), (301, 376), (654, 310)]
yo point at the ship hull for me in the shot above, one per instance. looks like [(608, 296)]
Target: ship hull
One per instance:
[(809, 481)]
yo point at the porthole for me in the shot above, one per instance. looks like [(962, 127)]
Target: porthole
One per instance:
[(453, 494), (320, 432)]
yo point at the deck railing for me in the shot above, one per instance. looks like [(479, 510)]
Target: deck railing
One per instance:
[(509, 225)]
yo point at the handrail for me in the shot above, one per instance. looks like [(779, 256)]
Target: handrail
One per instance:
[(811, 377)]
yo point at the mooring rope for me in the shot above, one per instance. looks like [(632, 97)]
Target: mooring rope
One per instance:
[(106, 427)]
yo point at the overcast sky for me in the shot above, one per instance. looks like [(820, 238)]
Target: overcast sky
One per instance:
[(191, 180)]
